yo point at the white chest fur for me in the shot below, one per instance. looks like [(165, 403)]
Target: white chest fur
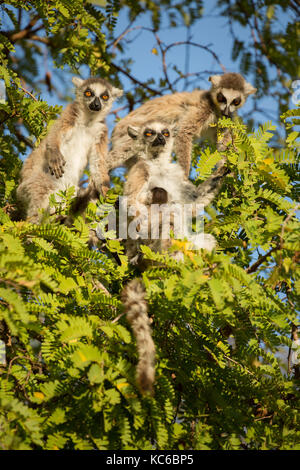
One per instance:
[(167, 175), (77, 148)]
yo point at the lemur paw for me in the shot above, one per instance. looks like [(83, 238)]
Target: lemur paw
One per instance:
[(56, 165), (135, 259)]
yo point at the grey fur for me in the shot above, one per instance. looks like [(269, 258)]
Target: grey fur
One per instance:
[(155, 176), (135, 305), (191, 113), (154, 179)]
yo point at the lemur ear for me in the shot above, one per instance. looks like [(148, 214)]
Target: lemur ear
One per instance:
[(249, 89), (77, 81), (116, 92), (215, 80), (132, 132)]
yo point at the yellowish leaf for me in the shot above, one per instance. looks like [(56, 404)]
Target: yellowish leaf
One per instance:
[(82, 356), (123, 384), (39, 395)]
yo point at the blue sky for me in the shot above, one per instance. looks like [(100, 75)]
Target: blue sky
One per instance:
[(212, 30)]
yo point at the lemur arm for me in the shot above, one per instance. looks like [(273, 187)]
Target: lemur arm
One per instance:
[(54, 159), (191, 126), (136, 185), (138, 201), (58, 133), (207, 190)]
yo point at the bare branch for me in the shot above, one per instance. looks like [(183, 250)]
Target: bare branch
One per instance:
[(122, 35), (24, 33), (195, 44), (135, 80), (261, 260), (24, 139)]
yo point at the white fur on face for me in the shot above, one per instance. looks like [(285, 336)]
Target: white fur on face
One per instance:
[(230, 95), (99, 90), (157, 127)]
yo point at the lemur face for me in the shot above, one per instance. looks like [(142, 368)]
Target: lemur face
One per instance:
[(152, 136), (156, 136), (96, 94), (96, 97), (229, 101), (229, 92)]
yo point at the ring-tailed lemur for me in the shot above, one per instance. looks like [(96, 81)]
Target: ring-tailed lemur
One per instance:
[(154, 179), (77, 138), (191, 112)]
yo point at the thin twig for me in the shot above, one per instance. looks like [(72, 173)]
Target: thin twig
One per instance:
[(122, 35), (163, 57), (195, 44), (135, 80), (118, 318), (34, 98)]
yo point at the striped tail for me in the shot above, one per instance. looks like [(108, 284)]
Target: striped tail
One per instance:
[(133, 297)]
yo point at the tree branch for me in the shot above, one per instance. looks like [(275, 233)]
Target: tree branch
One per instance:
[(261, 260), (135, 80), (34, 98), (24, 33)]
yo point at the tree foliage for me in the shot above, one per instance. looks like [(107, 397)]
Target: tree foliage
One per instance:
[(271, 49), (221, 321)]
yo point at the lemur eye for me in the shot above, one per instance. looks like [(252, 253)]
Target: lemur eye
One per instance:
[(88, 93), (105, 96), (148, 133), (166, 133), (237, 101), (221, 98)]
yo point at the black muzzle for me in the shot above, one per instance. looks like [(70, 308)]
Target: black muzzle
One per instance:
[(226, 112), (95, 105), (159, 140)]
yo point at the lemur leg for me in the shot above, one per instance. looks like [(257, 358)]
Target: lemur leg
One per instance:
[(136, 188), (37, 199), (100, 181), (136, 191), (191, 127), (183, 150)]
